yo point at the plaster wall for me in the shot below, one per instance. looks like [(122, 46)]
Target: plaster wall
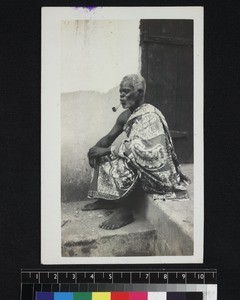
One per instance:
[(95, 55)]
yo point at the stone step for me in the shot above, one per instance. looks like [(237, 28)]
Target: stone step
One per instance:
[(82, 236), (162, 228), (174, 228), (173, 221)]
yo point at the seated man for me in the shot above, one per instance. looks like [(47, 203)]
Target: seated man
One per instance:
[(147, 157)]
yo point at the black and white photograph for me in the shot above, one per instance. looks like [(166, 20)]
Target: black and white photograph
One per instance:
[(120, 153), (123, 159)]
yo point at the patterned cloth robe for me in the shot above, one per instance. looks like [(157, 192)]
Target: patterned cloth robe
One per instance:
[(147, 155)]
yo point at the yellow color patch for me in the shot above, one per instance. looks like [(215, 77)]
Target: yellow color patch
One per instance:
[(101, 296)]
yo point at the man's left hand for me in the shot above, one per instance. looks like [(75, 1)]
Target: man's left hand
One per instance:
[(97, 152)]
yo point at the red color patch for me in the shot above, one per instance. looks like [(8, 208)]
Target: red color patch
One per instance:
[(120, 296)]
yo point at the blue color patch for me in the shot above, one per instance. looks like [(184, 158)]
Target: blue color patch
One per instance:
[(63, 296)]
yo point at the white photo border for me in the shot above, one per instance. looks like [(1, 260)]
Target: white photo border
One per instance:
[(51, 135)]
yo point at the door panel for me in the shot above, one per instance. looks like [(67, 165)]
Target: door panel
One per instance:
[(167, 66)]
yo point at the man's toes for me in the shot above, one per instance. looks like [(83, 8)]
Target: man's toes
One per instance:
[(105, 225), (86, 207), (102, 225)]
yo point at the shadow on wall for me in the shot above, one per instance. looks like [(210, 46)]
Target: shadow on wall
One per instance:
[(86, 116)]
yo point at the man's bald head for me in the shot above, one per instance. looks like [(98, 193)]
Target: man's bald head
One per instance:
[(137, 82)]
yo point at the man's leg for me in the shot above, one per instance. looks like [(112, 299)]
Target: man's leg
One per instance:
[(120, 218), (124, 215), (101, 204)]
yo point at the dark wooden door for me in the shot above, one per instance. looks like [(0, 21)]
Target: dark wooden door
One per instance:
[(167, 66)]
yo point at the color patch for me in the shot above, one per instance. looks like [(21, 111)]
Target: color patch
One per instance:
[(63, 296), (184, 296), (44, 296), (82, 296), (176, 296), (138, 296), (157, 296), (120, 296), (101, 296)]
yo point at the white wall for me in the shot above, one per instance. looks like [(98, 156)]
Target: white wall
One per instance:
[(95, 57), (97, 54)]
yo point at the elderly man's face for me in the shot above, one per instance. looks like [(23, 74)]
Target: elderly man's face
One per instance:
[(129, 97)]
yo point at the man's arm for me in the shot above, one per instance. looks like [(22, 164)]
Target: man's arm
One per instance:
[(102, 147)]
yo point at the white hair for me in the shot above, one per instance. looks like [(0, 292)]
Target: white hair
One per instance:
[(137, 81)]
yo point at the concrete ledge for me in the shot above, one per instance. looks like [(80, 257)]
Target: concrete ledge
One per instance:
[(173, 221), (173, 226), (81, 235)]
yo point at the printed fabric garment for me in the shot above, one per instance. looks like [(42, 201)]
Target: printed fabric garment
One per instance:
[(146, 155)]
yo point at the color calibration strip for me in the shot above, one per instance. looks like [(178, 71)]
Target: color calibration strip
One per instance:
[(161, 285), (119, 296)]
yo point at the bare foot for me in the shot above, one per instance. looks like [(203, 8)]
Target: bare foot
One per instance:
[(100, 204), (119, 219)]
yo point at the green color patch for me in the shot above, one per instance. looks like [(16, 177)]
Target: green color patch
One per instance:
[(82, 296)]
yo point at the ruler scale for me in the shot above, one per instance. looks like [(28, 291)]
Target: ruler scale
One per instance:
[(75, 281)]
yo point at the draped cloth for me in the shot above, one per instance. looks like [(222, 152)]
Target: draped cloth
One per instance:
[(146, 155)]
